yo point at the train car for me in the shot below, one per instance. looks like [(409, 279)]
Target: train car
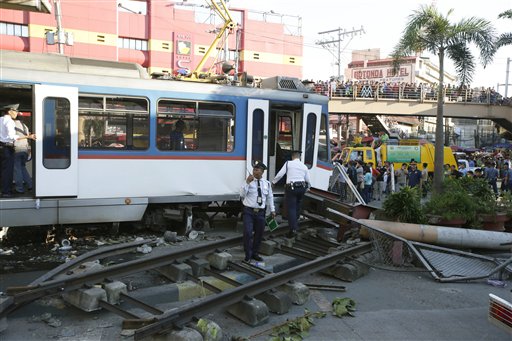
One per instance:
[(104, 149)]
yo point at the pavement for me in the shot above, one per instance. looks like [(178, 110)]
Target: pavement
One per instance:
[(403, 304)]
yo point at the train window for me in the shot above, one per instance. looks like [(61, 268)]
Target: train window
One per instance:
[(257, 135), (56, 133), (323, 140), (108, 122), (285, 133), (195, 126), (310, 140)]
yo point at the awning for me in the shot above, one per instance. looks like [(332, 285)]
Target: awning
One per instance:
[(43, 6)]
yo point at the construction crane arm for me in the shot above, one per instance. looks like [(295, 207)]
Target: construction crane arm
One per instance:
[(229, 26)]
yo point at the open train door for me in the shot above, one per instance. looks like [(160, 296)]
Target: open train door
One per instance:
[(310, 133), (257, 132), (56, 147)]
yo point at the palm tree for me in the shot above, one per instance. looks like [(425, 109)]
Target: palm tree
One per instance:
[(429, 30), (504, 38)]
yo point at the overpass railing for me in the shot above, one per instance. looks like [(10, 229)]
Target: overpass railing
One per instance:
[(412, 92)]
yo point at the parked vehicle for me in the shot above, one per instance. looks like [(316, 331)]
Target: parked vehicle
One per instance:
[(398, 154)]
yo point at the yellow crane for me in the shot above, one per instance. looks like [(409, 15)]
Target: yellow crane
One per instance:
[(222, 11)]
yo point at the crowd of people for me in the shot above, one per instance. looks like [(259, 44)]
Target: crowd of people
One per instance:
[(404, 90), (376, 182)]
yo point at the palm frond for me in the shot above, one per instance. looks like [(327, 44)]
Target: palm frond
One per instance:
[(463, 61), (507, 14), (504, 39)]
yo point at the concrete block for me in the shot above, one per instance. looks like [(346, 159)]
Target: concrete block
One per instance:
[(185, 334), (176, 272), (278, 302), (198, 265), (267, 247), (349, 271), (251, 311), (219, 260), (86, 299), (298, 292), (114, 290), (210, 330)]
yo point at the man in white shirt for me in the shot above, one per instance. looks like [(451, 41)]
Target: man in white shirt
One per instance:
[(257, 197), (297, 183), (7, 138)]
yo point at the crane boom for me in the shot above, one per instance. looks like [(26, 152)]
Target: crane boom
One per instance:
[(229, 26)]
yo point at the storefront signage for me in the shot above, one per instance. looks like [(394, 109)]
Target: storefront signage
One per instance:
[(182, 52)]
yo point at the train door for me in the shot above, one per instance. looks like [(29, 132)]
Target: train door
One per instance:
[(56, 147), (310, 133), (257, 132)]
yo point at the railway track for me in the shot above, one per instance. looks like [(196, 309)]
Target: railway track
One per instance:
[(311, 252)]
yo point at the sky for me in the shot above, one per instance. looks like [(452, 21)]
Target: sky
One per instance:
[(383, 23)]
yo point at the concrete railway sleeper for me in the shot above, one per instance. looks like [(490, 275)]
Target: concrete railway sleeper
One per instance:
[(90, 286)]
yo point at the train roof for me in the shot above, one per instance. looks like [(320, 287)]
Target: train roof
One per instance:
[(47, 68)]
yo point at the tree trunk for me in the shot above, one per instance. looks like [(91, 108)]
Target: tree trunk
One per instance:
[(439, 147)]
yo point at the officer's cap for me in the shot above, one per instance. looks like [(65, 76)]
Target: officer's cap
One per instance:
[(11, 107), (259, 164)]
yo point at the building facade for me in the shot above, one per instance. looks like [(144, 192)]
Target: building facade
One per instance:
[(162, 36)]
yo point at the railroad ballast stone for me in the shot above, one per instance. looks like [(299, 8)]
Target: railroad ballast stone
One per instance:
[(278, 302), (298, 292), (251, 311)]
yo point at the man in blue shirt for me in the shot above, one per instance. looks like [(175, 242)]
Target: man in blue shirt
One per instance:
[(414, 175)]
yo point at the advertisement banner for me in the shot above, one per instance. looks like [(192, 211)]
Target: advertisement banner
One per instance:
[(403, 153)]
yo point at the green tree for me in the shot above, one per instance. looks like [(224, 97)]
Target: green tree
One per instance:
[(504, 38), (428, 30)]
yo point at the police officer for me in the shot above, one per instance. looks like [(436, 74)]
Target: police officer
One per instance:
[(7, 138), (297, 183), (257, 197)]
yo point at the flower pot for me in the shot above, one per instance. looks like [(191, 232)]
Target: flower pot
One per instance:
[(453, 222), (494, 222)]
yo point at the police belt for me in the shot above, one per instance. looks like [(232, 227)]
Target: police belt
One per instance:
[(296, 184), (7, 144), (255, 210)]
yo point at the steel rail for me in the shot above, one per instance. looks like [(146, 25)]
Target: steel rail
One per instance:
[(178, 317), (24, 295)]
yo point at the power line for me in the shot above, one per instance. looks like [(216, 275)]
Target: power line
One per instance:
[(333, 42)]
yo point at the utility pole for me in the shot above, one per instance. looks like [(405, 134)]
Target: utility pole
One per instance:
[(333, 42), (507, 73)]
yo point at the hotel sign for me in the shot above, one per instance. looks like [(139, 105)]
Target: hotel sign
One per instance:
[(385, 73)]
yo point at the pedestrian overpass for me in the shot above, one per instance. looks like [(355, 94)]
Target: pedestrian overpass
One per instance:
[(500, 114)]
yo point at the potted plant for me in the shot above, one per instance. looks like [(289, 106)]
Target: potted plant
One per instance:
[(454, 206), (405, 206), (491, 211)]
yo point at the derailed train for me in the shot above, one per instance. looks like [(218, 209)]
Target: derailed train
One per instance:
[(104, 151)]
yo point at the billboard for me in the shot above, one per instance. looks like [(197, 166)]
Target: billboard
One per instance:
[(403, 153)]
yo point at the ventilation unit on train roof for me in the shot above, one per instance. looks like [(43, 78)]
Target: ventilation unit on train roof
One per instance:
[(283, 83)]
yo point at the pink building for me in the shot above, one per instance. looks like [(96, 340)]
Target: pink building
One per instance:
[(162, 36)]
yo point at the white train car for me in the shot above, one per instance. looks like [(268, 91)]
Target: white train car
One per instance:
[(104, 152)]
